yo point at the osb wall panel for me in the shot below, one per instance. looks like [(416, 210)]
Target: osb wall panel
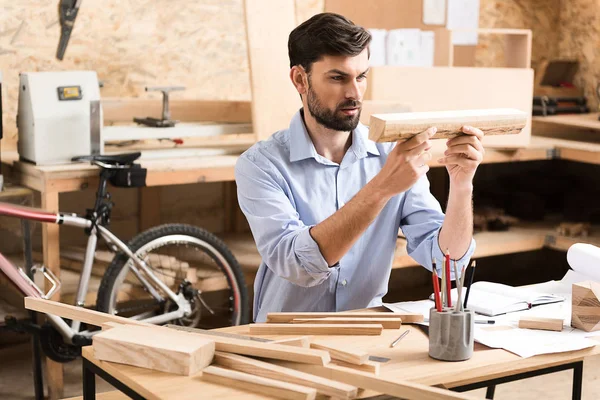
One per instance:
[(199, 44)]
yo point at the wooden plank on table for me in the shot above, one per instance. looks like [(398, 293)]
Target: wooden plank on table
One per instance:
[(258, 384), (393, 387), (119, 110), (402, 126), (280, 317), (159, 349), (387, 323), (315, 329), (345, 355), (267, 370), (302, 341), (274, 98), (372, 367), (548, 324)]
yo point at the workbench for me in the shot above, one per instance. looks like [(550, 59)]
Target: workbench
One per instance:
[(409, 361)]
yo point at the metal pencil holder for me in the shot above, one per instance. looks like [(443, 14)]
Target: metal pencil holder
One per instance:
[(451, 334)]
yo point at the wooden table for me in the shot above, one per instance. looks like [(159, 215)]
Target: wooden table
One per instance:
[(409, 361)]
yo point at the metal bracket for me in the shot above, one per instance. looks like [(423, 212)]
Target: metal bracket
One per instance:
[(48, 275)]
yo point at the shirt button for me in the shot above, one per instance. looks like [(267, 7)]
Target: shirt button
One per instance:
[(344, 282)]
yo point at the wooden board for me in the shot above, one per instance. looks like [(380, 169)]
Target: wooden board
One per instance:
[(392, 127), (280, 317), (457, 88), (315, 329), (267, 370), (159, 349), (274, 98), (257, 384), (345, 355), (372, 367), (387, 323), (302, 341), (586, 306), (548, 324)]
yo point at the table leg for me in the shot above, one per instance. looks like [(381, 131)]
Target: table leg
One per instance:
[(489, 393), (51, 251), (89, 381), (577, 380)]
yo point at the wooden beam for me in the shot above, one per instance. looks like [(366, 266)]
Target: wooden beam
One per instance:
[(315, 329), (154, 348), (372, 367), (402, 389), (387, 323), (119, 110), (323, 386), (349, 356), (280, 317), (302, 341), (257, 384), (402, 126), (548, 324)]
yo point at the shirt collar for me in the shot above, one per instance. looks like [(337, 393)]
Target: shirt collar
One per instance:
[(302, 147)]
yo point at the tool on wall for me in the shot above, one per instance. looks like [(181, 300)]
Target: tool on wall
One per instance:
[(165, 121), (67, 12)]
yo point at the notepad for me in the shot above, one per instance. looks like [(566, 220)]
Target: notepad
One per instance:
[(488, 298)]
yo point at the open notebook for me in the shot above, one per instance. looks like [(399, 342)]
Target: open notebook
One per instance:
[(492, 299)]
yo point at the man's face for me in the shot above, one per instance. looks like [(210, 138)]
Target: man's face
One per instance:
[(336, 85)]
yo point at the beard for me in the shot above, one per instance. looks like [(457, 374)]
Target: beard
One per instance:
[(335, 120)]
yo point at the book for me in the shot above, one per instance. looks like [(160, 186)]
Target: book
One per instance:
[(491, 299)]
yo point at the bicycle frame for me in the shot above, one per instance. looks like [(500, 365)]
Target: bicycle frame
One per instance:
[(29, 288)]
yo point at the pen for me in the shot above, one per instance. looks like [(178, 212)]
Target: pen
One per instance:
[(395, 342), (470, 282)]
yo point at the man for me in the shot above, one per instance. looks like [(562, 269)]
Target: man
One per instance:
[(324, 203)]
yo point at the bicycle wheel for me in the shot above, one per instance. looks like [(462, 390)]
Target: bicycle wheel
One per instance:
[(178, 255)]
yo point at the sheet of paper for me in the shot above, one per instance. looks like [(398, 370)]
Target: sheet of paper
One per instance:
[(377, 47), (403, 47), (585, 259), (434, 12), (427, 48), (463, 21)]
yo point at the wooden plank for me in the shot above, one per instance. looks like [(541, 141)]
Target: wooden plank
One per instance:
[(281, 317), (119, 110), (372, 367), (548, 324), (370, 107), (159, 349), (387, 323), (257, 384), (274, 98), (339, 354), (68, 311), (112, 395), (392, 127), (512, 88), (315, 329), (393, 387), (267, 370), (302, 341), (584, 121)]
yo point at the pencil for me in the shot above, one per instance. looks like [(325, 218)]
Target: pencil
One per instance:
[(448, 279), (462, 284), (473, 265), (457, 281), (436, 290)]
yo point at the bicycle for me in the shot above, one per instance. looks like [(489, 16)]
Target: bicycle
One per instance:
[(173, 273)]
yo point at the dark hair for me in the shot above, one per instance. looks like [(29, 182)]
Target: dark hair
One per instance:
[(325, 34)]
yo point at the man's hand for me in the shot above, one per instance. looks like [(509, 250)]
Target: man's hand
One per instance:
[(406, 163), (462, 157)]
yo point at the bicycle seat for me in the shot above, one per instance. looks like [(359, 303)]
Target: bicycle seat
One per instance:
[(113, 159)]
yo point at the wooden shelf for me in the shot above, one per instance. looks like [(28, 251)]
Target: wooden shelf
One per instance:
[(585, 121)]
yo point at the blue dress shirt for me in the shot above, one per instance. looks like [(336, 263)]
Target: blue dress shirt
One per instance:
[(285, 188)]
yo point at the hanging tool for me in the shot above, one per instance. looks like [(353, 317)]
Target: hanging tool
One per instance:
[(165, 121), (67, 12)]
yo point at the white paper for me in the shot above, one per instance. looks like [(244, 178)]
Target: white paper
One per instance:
[(585, 260), (427, 48), (377, 47), (434, 12), (403, 47), (463, 21)]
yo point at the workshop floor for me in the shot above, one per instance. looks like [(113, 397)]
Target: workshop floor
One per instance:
[(16, 382)]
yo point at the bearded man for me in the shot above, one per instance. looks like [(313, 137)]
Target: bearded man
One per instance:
[(325, 203)]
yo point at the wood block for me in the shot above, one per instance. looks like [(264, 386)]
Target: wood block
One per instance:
[(257, 384), (548, 324), (279, 317), (154, 348), (315, 329), (302, 341), (267, 370), (349, 356), (585, 313), (372, 367), (402, 126), (387, 323)]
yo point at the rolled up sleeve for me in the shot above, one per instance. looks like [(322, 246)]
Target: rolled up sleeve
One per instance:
[(283, 240), (421, 222)]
